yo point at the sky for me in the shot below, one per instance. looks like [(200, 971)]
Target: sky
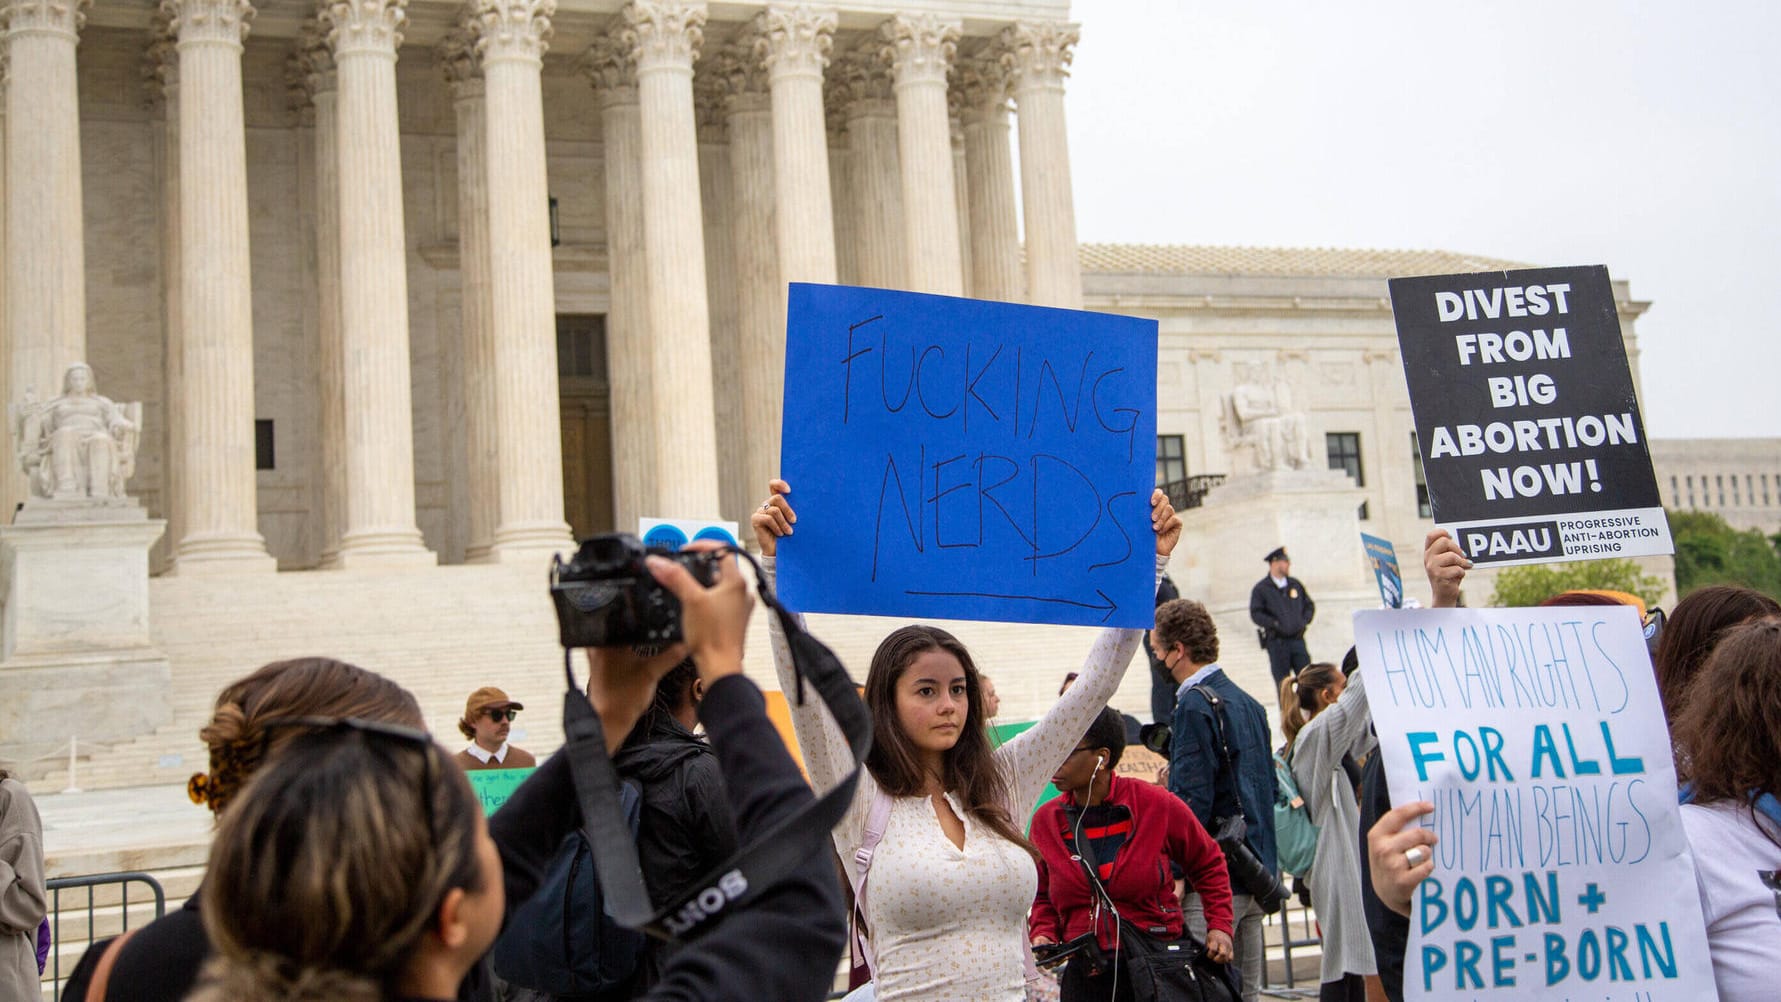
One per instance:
[(1643, 136)]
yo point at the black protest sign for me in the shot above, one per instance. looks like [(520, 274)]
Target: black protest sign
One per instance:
[(1527, 421)]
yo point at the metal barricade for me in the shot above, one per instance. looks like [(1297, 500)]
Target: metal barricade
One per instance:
[(92, 884), (1307, 921)]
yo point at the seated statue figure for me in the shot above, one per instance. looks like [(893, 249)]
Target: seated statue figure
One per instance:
[(1266, 422), (79, 445)]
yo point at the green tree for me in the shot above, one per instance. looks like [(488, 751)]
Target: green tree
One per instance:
[(1535, 583), (1708, 551)]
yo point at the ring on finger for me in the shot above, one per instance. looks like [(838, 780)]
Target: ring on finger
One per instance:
[(1415, 855), (766, 506)]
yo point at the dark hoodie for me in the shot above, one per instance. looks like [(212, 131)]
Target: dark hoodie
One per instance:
[(686, 828)]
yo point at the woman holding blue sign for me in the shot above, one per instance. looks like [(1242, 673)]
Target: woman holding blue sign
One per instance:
[(934, 820)]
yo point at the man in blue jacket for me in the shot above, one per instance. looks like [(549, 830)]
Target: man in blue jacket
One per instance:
[(1185, 640)]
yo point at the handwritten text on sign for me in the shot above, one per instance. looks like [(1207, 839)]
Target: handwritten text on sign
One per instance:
[(1561, 871), (1532, 442), (958, 459)]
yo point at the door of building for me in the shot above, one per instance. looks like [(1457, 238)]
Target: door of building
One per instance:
[(587, 423)]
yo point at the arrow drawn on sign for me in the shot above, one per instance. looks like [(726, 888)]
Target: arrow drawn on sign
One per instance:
[(1106, 601)]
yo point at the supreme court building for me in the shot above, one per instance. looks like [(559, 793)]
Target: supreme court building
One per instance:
[(413, 290), (405, 282)]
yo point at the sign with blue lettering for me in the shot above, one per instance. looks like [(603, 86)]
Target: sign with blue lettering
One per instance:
[(1384, 559), (960, 459), (1529, 428), (1561, 867)]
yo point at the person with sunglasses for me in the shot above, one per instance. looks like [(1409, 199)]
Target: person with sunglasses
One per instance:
[(488, 719)]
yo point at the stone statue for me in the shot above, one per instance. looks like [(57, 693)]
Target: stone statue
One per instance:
[(79, 446), (1258, 413)]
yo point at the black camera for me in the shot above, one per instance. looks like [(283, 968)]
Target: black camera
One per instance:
[(606, 597), (1248, 874)]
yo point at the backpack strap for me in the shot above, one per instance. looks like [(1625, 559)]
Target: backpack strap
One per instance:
[(877, 819), (102, 970)]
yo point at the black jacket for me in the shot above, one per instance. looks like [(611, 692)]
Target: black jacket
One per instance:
[(1282, 612), (686, 828)]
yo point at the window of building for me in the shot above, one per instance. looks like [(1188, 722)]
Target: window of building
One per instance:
[(264, 456), (1423, 508), (581, 347), (1344, 453), (1171, 459), (1675, 493)]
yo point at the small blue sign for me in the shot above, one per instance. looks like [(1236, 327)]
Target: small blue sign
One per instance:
[(961, 459), (1384, 559)]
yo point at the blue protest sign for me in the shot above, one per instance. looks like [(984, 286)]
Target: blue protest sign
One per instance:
[(1384, 558), (959, 459)]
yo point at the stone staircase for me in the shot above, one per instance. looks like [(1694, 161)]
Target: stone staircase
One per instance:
[(443, 632)]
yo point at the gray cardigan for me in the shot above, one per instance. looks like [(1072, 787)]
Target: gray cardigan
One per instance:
[(22, 900), (1341, 729)]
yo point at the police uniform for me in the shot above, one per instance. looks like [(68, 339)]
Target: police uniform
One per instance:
[(1281, 614)]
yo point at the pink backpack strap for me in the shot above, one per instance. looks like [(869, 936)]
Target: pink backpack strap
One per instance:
[(877, 818)]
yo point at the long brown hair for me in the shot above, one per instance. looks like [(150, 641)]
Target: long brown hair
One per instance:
[(1728, 738), (1298, 697), (330, 867), (1692, 629), (969, 767), (300, 687)]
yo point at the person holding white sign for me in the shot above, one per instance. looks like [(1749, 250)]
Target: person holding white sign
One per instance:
[(1732, 768), (934, 818), (1339, 725)]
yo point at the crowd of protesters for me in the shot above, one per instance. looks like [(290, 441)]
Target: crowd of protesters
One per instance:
[(352, 860)]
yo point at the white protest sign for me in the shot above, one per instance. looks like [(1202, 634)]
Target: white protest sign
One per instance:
[(1561, 872)]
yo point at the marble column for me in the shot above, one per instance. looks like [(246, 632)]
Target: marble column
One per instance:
[(1037, 55), (45, 303), (511, 39), (961, 189), (717, 199), (218, 483), (794, 42), (13, 488), (877, 185), (379, 526), (989, 168), (665, 36), (163, 70), (330, 355), (463, 72), (750, 116), (612, 72), (920, 49), (841, 195)]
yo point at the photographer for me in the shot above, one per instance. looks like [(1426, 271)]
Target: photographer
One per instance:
[(276, 937)]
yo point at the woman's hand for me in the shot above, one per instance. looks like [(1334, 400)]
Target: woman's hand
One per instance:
[(1218, 946), (1042, 940), (1395, 873), (1164, 522), (774, 518), (1446, 567), (713, 620)]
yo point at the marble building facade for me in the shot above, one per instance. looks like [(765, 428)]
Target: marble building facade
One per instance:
[(386, 275)]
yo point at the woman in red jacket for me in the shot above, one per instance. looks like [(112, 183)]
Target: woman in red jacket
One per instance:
[(1135, 831)]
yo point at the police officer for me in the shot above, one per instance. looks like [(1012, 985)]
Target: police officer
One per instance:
[(1281, 609)]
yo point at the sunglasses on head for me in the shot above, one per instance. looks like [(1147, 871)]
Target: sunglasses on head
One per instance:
[(373, 728), (499, 715)]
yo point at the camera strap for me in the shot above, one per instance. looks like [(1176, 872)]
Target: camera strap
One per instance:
[(754, 867)]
